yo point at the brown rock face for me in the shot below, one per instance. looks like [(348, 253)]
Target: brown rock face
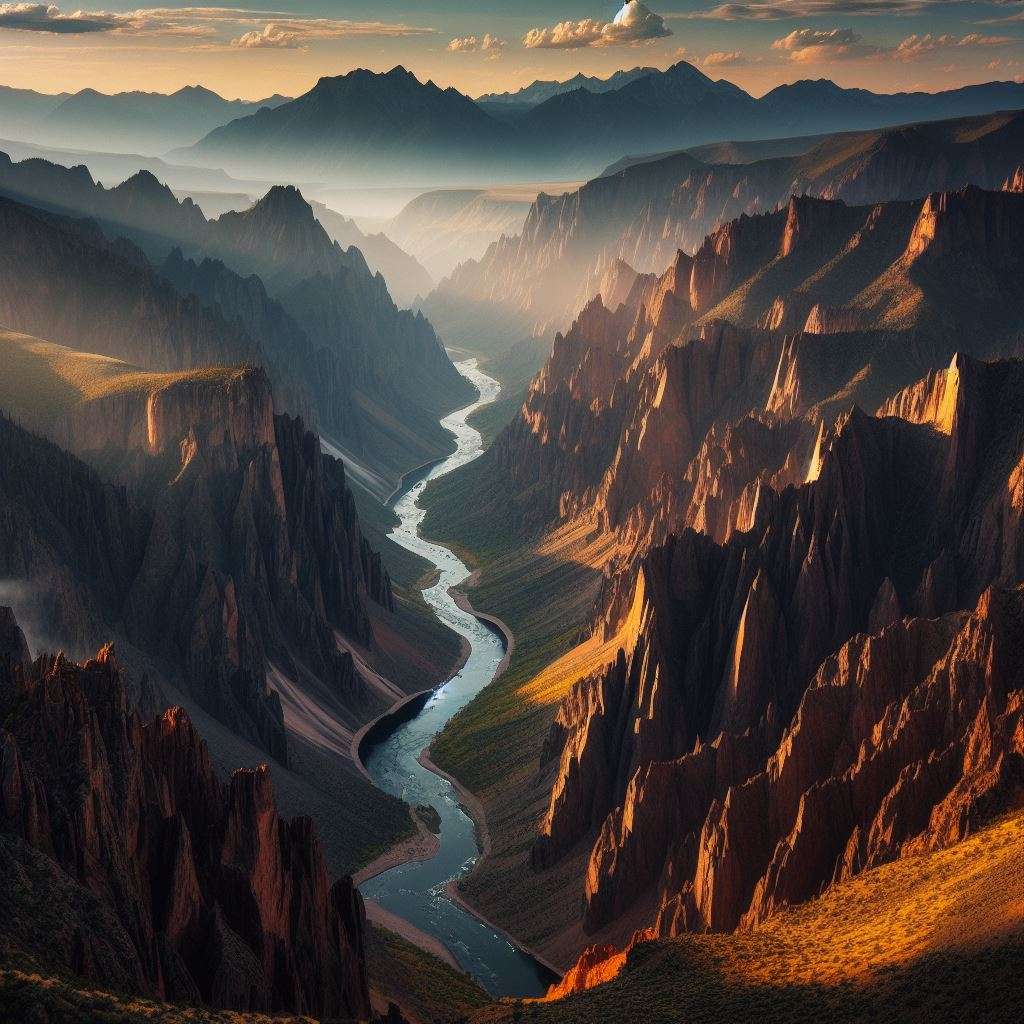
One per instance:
[(236, 547), (780, 317), (968, 222), (14, 650), (205, 892), (685, 755)]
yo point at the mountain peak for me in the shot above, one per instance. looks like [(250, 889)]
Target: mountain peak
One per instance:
[(684, 69), (284, 200), (144, 186)]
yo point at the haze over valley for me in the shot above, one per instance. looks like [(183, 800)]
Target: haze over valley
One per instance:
[(512, 514)]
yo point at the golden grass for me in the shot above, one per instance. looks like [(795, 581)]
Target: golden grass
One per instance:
[(30, 995), (934, 937), (41, 381), (420, 983)]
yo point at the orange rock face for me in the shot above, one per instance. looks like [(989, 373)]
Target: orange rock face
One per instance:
[(757, 742), (595, 966)]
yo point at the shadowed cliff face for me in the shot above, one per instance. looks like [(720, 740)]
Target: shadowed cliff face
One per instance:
[(164, 881), (671, 410), (647, 211), (374, 378), (732, 760), (235, 548)]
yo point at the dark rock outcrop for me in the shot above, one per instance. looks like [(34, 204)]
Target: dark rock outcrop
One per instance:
[(208, 893), (236, 549)]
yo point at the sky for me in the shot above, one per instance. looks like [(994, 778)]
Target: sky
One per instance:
[(251, 49)]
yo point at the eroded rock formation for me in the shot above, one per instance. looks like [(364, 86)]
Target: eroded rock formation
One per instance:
[(167, 880), (730, 760), (236, 546), (647, 210), (780, 320)]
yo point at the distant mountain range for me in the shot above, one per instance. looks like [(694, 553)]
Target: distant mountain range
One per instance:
[(365, 128), (391, 128), (377, 129), (149, 122), (540, 91)]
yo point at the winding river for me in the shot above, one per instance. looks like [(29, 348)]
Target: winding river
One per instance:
[(390, 752)]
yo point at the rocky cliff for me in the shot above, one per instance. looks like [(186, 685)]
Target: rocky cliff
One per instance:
[(374, 378), (646, 211), (781, 319), (63, 280), (165, 881), (236, 547), (690, 745)]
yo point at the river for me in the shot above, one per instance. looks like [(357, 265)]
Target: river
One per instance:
[(416, 890)]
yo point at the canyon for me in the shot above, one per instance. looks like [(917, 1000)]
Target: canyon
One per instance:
[(267, 285), (783, 478), (627, 631)]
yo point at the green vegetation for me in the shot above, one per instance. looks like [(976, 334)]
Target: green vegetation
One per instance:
[(514, 370), (420, 983), (454, 516)]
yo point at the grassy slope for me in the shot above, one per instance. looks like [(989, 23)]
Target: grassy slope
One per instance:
[(938, 937), (420, 983), (41, 380), (514, 369), (29, 994)]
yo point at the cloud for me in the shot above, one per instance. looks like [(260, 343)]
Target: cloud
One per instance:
[(634, 24), (917, 46), (253, 29), (722, 59), (48, 18), (816, 46), (777, 10), (813, 46), (271, 38), (471, 44)]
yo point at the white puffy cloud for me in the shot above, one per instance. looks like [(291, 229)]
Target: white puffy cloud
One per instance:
[(471, 44), (725, 59), (813, 46), (273, 37), (635, 23), (817, 46)]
